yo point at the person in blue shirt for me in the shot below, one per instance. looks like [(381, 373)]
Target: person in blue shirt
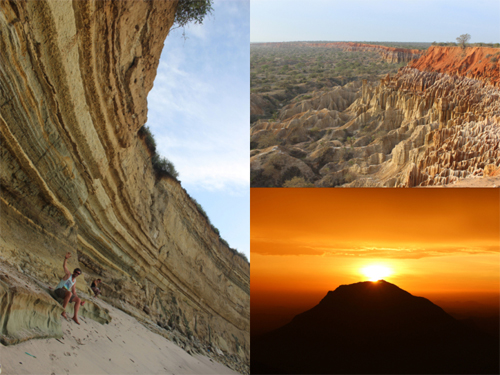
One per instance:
[(67, 291)]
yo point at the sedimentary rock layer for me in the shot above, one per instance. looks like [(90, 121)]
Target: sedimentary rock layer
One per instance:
[(28, 311), (75, 176)]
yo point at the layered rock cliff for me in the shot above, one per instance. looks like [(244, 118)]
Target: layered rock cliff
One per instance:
[(75, 176), (425, 126)]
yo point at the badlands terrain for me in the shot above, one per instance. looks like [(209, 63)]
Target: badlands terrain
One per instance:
[(384, 116), (76, 176)]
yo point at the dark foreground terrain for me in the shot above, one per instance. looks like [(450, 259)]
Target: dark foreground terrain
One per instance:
[(375, 328)]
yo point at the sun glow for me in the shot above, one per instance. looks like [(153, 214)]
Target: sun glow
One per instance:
[(376, 272)]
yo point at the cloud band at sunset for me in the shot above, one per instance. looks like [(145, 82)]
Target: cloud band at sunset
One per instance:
[(290, 247), (400, 224), (310, 241)]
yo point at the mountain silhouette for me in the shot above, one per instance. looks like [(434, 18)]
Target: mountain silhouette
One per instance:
[(374, 327)]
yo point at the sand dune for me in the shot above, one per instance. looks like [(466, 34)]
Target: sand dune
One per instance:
[(122, 347)]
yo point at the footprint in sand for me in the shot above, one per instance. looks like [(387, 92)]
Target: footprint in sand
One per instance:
[(67, 354), (53, 357)]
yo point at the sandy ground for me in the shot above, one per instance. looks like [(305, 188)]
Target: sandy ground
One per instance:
[(486, 182), (123, 346)]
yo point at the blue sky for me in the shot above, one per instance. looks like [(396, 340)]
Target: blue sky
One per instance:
[(199, 114), (375, 20)]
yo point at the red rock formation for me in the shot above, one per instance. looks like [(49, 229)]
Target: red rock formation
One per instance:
[(480, 63)]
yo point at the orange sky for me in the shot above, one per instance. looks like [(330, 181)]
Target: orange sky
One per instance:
[(305, 242)]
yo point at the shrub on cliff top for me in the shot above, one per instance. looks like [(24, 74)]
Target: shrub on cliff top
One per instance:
[(298, 182), (203, 212), (161, 165), (192, 11), (164, 166), (241, 255), (146, 134), (462, 39), (222, 240), (215, 229), (234, 251)]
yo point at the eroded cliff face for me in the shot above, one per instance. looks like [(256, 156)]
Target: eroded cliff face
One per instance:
[(480, 63), (75, 176), (418, 128)]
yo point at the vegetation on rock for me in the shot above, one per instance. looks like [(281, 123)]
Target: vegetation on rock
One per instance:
[(202, 211), (454, 44), (298, 182), (462, 39), (192, 11), (161, 165)]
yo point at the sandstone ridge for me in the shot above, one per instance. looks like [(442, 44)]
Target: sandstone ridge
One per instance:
[(75, 176)]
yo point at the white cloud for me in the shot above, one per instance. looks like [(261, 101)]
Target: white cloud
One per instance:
[(198, 31), (199, 108)]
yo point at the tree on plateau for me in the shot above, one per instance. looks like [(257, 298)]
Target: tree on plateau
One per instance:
[(462, 39)]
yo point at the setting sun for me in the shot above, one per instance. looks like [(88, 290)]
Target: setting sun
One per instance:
[(376, 272)]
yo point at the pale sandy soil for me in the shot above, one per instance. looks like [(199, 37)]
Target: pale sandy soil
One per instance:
[(123, 346), (485, 182)]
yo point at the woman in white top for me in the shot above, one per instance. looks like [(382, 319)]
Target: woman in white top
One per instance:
[(66, 289)]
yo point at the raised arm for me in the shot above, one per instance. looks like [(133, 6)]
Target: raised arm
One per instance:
[(66, 257)]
